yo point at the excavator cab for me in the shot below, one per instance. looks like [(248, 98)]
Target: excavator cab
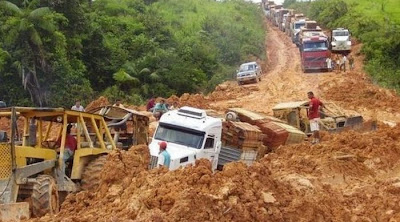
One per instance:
[(34, 168)]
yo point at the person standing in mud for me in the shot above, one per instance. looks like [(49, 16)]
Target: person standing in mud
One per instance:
[(343, 63), (329, 64), (314, 116), (337, 60), (164, 158), (351, 62)]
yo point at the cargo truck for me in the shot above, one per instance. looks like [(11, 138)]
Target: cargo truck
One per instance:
[(314, 47), (297, 22), (191, 134), (340, 40)]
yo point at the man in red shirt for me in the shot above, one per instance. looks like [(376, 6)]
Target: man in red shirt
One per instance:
[(70, 144), (151, 103), (314, 116)]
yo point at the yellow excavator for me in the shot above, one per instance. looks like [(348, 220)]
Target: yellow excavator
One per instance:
[(34, 173)]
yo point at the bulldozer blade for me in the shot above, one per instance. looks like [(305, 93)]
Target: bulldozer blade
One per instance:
[(354, 122), (14, 212)]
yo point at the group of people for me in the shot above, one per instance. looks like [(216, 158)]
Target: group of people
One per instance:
[(159, 108), (338, 63)]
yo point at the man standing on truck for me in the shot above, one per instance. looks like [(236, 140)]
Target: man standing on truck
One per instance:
[(78, 106), (314, 116), (164, 158)]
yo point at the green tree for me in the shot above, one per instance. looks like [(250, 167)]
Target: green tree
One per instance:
[(25, 31)]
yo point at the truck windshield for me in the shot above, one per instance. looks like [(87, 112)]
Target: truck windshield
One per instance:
[(180, 135), (298, 25), (315, 46), (342, 33), (245, 68)]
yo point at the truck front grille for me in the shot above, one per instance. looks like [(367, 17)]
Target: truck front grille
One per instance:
[(153, 162)]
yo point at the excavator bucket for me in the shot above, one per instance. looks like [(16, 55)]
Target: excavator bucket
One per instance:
[(14, 212)]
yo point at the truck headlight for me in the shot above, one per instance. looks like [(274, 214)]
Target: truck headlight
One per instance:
[(333, 43), (348, 42)]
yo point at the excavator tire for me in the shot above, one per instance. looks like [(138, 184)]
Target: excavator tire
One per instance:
[(92, 172), (45, 196)]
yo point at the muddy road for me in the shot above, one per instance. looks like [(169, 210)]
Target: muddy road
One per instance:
[(283, 81), (350, 176)]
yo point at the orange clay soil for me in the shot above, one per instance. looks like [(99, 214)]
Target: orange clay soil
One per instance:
[(349, 177)]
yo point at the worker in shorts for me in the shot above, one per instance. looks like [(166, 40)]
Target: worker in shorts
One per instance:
[(314, 116)]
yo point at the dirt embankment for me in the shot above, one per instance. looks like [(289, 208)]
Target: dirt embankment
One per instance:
[(345, 178)]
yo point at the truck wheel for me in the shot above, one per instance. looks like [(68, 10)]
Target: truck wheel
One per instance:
[(239, 83), (256, 79), (45, 196), (92, 172)]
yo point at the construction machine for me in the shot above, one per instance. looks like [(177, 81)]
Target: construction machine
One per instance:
[(332, 118), (127, 127), (34, 173)]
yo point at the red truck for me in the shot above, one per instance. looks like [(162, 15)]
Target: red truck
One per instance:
[(314, 48)]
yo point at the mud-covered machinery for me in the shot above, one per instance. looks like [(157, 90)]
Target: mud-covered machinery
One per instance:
[(332, 118), (127, 127), (32, 166)]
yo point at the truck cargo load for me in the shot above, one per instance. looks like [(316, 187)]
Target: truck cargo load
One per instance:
[(241, 142)]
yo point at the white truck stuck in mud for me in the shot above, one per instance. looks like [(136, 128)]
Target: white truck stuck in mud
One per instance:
[(190, 135), (242, 135)]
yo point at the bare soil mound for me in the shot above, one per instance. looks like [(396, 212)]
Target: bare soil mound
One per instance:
[(345, 178), (101, 101)]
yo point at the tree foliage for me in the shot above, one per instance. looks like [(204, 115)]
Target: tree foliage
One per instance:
[(55, 51)]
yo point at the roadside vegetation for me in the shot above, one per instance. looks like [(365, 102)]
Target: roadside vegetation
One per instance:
[(53, 52), (375, 23)]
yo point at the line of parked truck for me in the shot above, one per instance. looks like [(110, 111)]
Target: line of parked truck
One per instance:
[(314, 44)]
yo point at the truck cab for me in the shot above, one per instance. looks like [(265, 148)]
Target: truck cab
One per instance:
[(295, 30), (190, 135), (340, 40), (314, 47), (314, 52)]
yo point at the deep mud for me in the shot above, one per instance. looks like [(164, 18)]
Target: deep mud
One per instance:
[(351, 176), (345, 178)]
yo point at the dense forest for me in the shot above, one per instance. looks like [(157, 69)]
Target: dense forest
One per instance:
[(375, 23), (53, 52)]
